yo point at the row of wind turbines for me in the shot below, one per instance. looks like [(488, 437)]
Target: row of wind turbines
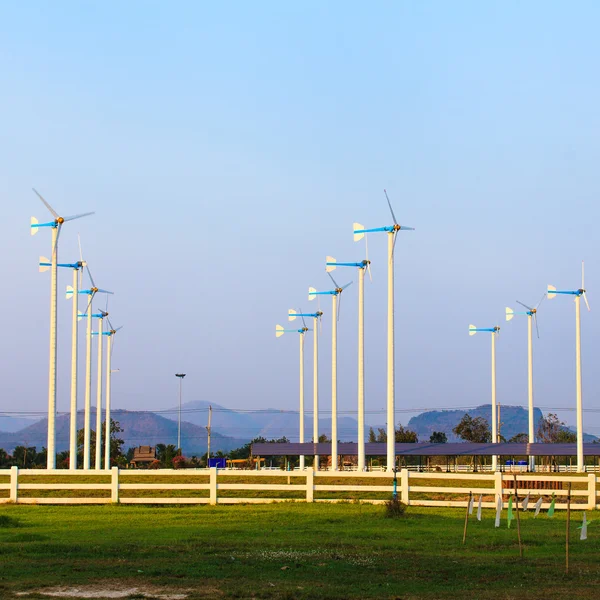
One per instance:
[(531, 313), (331, 264), (359, 232), (73, 292)]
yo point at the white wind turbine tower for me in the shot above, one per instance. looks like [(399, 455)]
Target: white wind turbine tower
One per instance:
[(494, 331), (531, 316), (56, 226), (91, 292), (292, 314), (279, 331), (312, 292), (362, 266), (109, 371), (77, 267), (100, 334), (552, 291), (391, 230)]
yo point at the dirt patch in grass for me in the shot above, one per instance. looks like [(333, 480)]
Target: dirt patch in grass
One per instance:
[(127, 590)]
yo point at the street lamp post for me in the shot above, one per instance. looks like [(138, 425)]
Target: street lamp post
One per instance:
[(181, 376)]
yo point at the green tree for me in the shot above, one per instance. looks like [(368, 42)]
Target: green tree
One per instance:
[(372, 437), (165, 455), (519, 438), (24, 457), (438, 437), (402, 435), (472, 429)]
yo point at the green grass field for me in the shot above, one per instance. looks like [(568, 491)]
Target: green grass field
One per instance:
[(291, 550)]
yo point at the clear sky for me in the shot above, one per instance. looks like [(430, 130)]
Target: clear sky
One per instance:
[(227, 148)]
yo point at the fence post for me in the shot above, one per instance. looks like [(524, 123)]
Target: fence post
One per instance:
[(591, 491), (498, 485), (310, 485), (213, 485), (14, 484), (404, 486), (114, 484)]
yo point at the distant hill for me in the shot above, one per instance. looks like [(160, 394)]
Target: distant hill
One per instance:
[(269, 423), (12, 424), (514, 420), (139, 429)]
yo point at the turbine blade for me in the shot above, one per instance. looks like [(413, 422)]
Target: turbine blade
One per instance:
[(537, 329), (348, 284), (303, 321), (525, 305), (395, 234), (58, 229), (332, 279), (586, 302), (339, 305), (90, 275), (80, 251), (54, 213), (109, 323), (369, 270), (89, 306), (390, 205), (104, 291), (542, 299), (73, 217)]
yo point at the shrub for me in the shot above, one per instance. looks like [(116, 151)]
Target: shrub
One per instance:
[(179, 462), (394, 509)]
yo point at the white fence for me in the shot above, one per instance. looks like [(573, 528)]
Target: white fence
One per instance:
[(207, 487)]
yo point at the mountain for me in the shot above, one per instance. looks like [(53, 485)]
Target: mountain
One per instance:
[(269, 423), (514, 420), (11, 424), (138, 429)]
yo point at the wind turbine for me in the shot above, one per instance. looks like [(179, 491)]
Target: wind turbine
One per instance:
[(292, 314), (91, 292), (109, 371), (279, 331), (391, 230), (531, 316), (77, 267), (312, 292), (56, 226), (552, 291), (494, 331), (362, 266)]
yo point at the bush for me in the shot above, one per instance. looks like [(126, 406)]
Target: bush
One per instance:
[(179, 462), (394, 509)]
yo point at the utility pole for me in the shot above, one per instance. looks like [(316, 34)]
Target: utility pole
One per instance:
[(181, 376), (208, 431)]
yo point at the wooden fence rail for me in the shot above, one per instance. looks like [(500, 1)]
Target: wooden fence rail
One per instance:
[(213, 486)]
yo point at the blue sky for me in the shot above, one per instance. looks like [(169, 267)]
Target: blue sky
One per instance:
[(228, 148)]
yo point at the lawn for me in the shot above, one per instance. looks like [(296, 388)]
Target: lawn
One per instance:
[(291, 551)]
